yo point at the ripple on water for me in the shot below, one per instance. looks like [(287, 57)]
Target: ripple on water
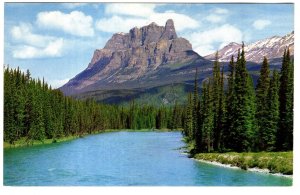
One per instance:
[(121, 159)]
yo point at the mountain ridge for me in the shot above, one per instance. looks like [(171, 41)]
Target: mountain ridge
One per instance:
[(153, 56), (135, 56), (272, 48)]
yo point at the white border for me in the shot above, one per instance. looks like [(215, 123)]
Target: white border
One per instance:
[(166, 190)]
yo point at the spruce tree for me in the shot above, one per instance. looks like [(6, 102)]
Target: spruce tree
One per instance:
[(230, 106), (244, 114), (195, 107), (217, 94), (285, 131), (189, 118), (268, 135), (219, 143), (262, 89), (208, 117)]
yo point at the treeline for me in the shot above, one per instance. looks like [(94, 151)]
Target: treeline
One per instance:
[(239, 117), (34, 111)]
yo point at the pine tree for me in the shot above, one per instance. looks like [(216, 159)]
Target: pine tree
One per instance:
[(262, 89), (217, 94), (195, 107), (219, 143), (208, 117), (19, 104), (272, 114), (37, 129), (244, 124), (188, 127), (199, 133), (9, 124), (230, 106), (285, 131)]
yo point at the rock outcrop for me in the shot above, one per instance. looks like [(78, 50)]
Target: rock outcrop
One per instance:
[(134, 55)]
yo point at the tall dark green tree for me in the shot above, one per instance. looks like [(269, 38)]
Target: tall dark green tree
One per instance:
[(230, 106), (221, 120), (188, 126), (208, 117), (285, 131), (268, 135), (37, 128), (217, 95), (262, 89), (195, 106), (244, 124)]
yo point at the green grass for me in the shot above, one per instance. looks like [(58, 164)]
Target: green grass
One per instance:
[(276, 162), (24, 143)]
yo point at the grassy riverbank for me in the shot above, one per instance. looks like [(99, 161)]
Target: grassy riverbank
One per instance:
[(275, 162), (23, 142)]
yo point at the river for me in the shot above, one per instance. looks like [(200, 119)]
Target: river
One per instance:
[(122, 159)]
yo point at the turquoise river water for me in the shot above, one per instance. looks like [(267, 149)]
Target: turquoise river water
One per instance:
[(122, 159)]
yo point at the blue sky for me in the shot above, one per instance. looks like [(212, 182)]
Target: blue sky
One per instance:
[(57, 40)]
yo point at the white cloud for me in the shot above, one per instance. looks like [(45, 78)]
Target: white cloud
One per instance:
[(146, 15), (130, 9), (217, 15), (181, 21), (118, 24), (261, 24), (221, 11), (204, 50), (73, 5), (23, 33), (207, 42), (53, 49), (30, 45), (58, 82), (75, 23), (214, 18)]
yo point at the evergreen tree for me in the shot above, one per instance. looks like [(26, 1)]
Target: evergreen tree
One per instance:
[(208, 117), (188, 127), (199, 133), (219, 144), (230, 106), (268, 135), (244, 125), (217, 95), (37, 129), (195, 106), (285, 131), (262, 88)]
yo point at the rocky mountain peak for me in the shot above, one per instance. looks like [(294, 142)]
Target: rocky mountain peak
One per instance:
[(131, 56), (169, 31)]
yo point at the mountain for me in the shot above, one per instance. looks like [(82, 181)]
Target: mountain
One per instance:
[(272, 48), (145, 57), (161, 95)]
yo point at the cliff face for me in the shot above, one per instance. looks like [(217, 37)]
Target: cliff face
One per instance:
[(128, 57)]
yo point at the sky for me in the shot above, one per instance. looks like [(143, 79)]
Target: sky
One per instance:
[(57, 40)]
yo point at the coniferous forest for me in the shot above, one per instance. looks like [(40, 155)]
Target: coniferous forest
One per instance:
[(228, 114), (34, 111), (241, 117)]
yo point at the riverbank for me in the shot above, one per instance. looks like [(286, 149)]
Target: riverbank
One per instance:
[(23, 142), (278, 163)]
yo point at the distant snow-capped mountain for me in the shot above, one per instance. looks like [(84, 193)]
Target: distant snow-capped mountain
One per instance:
[(272, 48)]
